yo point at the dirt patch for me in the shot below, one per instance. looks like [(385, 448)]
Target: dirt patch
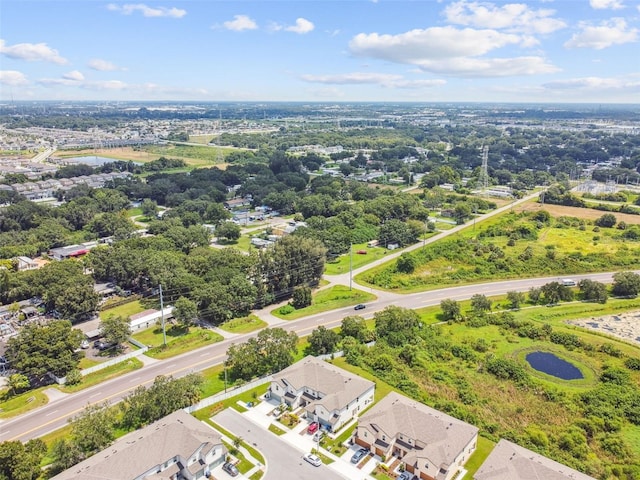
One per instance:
[(623, 325), (585, 213)]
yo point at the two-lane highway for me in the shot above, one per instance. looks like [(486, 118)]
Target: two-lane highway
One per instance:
[(56, 413)]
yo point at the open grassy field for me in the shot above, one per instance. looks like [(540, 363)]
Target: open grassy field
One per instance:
[(356, 260), (178, 340), (11, 406), (331, 298), (511, 245), (125, 310), (584, 213), (243, 325)]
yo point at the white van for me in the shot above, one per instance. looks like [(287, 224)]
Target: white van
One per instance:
[(568, 282)]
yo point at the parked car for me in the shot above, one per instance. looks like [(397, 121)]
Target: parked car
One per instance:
[(312, 459), (104, 346), (360, 306), (313, 428), (359, 455), (84, 344), (406, 476), (231, 469), (318, 436)]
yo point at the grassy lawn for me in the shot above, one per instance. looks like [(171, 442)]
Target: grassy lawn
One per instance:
[(480, 455), (274, 429), (125, 310), (329, 299), (22, 403), (341, 264), (103, 375), (243, 464), (178, 340), (134, 212), (87, 362), (254, 453), (336, 446), (243, 325)]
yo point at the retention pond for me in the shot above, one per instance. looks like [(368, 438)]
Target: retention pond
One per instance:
[(550, 364)]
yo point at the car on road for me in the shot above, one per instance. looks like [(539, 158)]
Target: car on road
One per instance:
[(312, 459), (313, 428), (360, 306), (359, 455), (231, 469)]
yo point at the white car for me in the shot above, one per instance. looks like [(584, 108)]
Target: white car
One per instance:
[(312, 459)]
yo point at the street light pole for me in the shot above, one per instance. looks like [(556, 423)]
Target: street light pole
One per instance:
[(350, 265), (164, 333)]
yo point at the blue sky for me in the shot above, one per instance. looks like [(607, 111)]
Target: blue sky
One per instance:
[(357, 50)]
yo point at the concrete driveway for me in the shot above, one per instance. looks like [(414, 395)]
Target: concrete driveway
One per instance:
[(284, 462)]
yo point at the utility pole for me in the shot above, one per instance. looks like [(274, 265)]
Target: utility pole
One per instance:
[(164, 333)]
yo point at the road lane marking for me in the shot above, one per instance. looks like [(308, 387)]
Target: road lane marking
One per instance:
[(78, 410), (95, 394), (51, 413)]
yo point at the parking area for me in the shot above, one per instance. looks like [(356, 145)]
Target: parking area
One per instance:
[(261, 417)]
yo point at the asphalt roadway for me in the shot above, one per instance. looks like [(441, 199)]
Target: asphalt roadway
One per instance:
[(282, 464), (56, 413)]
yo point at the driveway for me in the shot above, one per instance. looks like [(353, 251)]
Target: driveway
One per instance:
[(284, 462)]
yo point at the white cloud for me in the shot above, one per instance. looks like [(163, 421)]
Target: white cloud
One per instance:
[(608, 33), (32, 52), (489, 67), (432, 43), (13, 78), (147, 11), (606, 4), (240, 23), (103, 65), (597, 84), (74, 75), (513, 17), (302, 26), (359, 78)]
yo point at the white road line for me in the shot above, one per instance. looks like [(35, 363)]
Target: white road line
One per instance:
[(48, 414), (98, 394)]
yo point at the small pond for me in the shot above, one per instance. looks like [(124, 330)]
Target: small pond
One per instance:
[(548, 363)]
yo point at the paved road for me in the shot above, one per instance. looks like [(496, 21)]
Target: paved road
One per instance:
[(55, 414), (283, 461)]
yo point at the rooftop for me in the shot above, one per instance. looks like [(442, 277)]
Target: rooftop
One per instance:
[(509, 461)]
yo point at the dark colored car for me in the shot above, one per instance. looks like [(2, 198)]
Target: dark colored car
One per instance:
[(231, 469), (406, 476), (360, 306), (359, 455)]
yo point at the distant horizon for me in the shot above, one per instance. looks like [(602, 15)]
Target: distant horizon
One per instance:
[(535, 51)]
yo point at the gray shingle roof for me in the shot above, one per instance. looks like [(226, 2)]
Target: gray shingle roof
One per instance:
[(509, 461), (439, 437), (137, 452), (338, 386)]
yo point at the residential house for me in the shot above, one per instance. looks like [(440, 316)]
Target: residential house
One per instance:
[(330, 395), (176, 447), (431, 444), (25, 263), (71, 251), (508, 461), (150, 317)]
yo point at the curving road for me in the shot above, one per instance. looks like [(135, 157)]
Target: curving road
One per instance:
[(56, 413)]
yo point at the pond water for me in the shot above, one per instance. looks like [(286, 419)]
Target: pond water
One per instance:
[(548, 363)]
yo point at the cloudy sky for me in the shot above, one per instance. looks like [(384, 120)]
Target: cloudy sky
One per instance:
[(330, 50)]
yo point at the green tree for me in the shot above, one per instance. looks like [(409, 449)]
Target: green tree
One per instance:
[(607, 220), (323, 341), (228, 231), (94, 428), (166, 395), (406, 263), (21, 461), (185, 311), (554, 292), (397, 325), (149, 208), (450, 309), (480, 303), (593, 291), (270, 351), (115, 329), (626, 284), (38, 349), (515, 299), (18, 383), (301, 297), (355, 327), (65, 454)]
